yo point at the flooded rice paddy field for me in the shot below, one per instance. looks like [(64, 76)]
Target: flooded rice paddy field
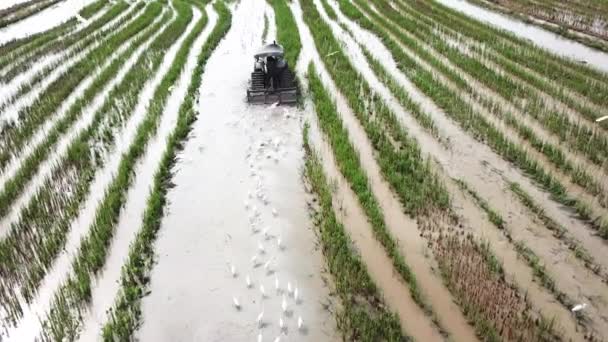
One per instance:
[(443, 176)]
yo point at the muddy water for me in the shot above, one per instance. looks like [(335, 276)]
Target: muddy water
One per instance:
[(43, 20), (237, 153), (510, 133), (395, 293), (47, 166), (105, 287), (402, 227), (59, 62), (517, 271), (480, 167), (412, 318), (59, 271), (485, 170), (545, 39)]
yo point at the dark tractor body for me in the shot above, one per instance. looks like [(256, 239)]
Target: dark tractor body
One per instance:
[(271, 80)]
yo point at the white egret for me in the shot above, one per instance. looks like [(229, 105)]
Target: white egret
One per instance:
[(274, 212), (267, 265), (262, 291), (295, 295), (237, 305), (254, 261), (284, 304), (276, 283), (248, 281), (261, 248), (260, 318), (281, 323), (260, 337), (300, 323), (579, 307), (233, 270), (279, 243)]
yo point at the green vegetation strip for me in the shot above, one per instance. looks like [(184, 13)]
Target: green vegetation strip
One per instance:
[(463, 113), (64, 319), (14, 49), (13, 138), (34, 241), (83, 38), (350, 166), (91, 9), (27, 169), (362, 316), (22, 12), (287, 31), (469, 269), (125, 316)]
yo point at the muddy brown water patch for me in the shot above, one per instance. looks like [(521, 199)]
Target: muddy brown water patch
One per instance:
[(395, 293), (231, 156)]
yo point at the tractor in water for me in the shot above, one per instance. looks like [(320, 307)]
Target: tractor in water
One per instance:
[(271, 80)]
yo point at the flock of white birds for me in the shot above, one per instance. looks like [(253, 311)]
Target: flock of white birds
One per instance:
[(266, 149)]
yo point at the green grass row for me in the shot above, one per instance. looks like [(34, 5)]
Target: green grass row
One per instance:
[(362, 315), (287, 31), (21, 13), (34, 241), (64, 319), (83, 37), (579, 137), (13, 138), (125, 315), (93, 8), (479, 314), (16, 48), (28, 167), (350, 166), (463, 113), (416, 185), (586, 81)]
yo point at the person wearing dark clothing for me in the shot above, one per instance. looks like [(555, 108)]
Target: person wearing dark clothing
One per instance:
[(271, 72)]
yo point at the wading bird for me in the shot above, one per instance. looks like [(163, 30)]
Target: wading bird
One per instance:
[(300, 323), (260, 318), (284, 304), (236, 303), (262, 291), (579, 307)]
